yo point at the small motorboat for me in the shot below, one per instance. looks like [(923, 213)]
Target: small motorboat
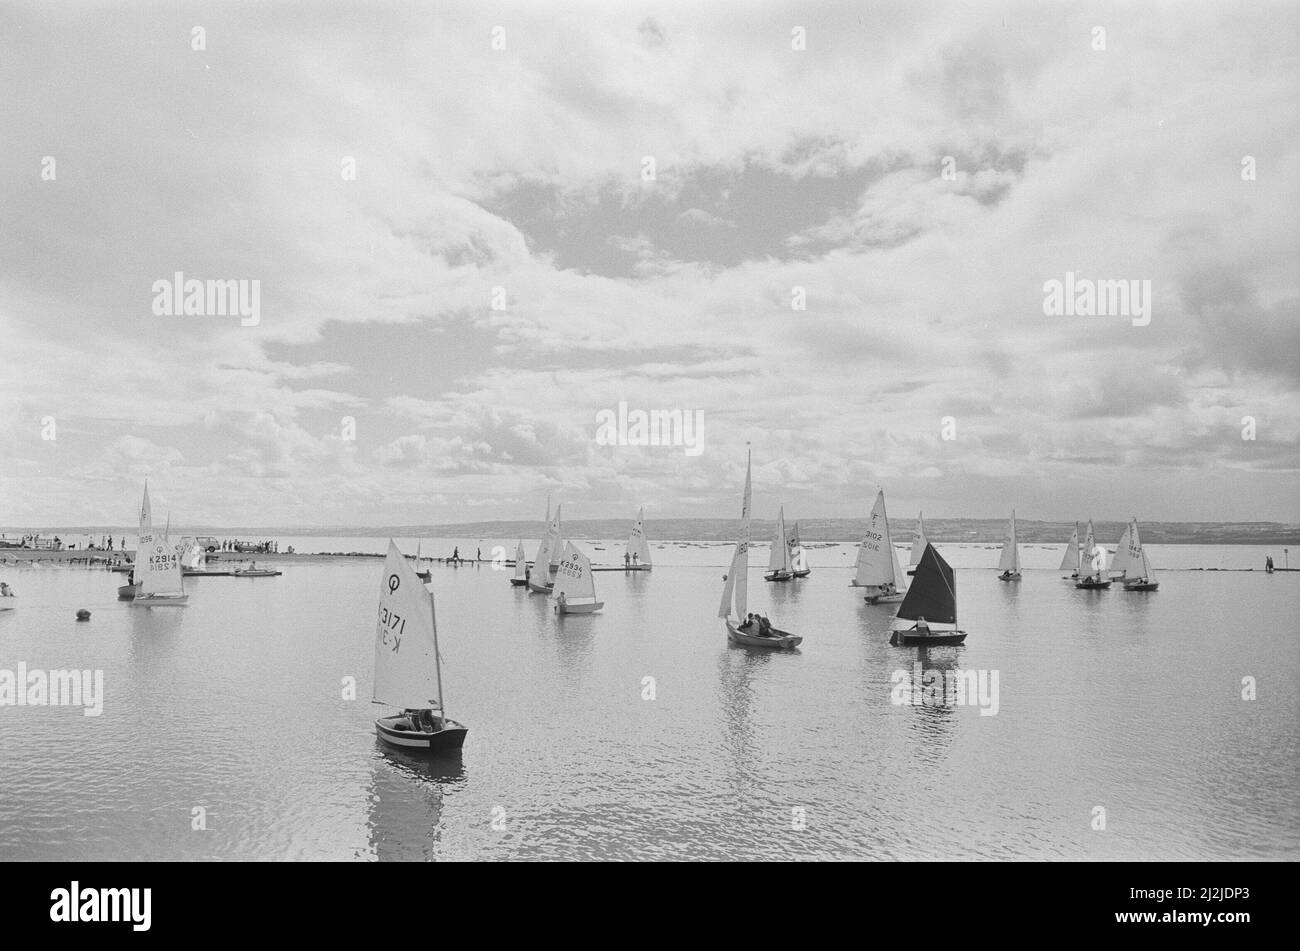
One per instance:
[(256, 573)]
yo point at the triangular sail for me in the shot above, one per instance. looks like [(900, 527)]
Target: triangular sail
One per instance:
[(919, 542), (157, 564), (1070, 560), (1141, 567), (557, 547), (877, 560), (407, 674), (638, 549), (1125, 554), (737, 584), (574, 579), (933, 594), (1010, 560), (779, 558), (548, 549), (521, 562)]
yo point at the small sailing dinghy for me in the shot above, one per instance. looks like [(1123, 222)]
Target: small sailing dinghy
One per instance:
[(542, 578), (928, 615), (157, 565), (741, 629), (1070, 560), (520, 580), (422, 570), (919, 541), (408, 668), (252, 571), (638, 548), (1009, 563), (1138, 575), (878, 569), (575, 586), (127, 591), (778, 561), (799, 567), (1092, 564)]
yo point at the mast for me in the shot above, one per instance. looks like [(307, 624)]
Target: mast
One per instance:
[(437, 657)]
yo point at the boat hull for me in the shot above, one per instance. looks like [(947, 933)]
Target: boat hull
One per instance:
[(449, 739), (127, 592), (885, 598), (1092, 585), (781, 640), (1142, 586), (1009, 576), (801, 574), (580, 608), (777, 576), (160, 600), (257, 573), (519, 582)]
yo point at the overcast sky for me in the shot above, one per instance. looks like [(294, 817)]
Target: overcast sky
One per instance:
[(775, 168)]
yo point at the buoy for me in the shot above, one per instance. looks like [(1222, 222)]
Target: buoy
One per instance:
[(83, 615)]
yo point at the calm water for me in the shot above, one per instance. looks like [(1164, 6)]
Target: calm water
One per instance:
[(1122, 700)]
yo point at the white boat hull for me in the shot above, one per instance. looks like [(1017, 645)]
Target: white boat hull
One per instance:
[(894, 598), (161, 600), (590, 608)]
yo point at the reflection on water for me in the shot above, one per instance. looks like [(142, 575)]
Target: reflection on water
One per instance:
[(404, 813)]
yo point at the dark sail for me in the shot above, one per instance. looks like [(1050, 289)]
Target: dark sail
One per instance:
[(933, 594)]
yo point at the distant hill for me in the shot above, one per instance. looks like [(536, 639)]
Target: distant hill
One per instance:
[(813, 530)]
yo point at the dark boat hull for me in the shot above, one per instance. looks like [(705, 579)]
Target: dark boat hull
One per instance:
[(777, 576), (449, 739), (781, 640), (912, 639), (127, 592), (1092, 585), (519, 582), (1143, 586)]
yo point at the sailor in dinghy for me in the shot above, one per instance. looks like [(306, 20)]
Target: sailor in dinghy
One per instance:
[(408, 668)]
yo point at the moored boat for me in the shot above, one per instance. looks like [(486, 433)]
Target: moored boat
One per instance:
[(408, 668)]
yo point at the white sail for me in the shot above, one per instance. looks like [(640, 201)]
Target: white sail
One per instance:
[(638, 549), (521, 562), (919, 542), (557, 547), (1141, 565), (1010, 560), (574, 579), (191, 553), (779, 559), (1125, 553), (548, 551), (157, 565), (738, 573), (877, 560), (407, 674), (1070, 560)]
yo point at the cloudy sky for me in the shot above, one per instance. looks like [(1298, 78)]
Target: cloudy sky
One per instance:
[(524, 168)]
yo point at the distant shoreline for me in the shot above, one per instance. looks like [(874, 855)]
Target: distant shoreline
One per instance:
[(814, 531)]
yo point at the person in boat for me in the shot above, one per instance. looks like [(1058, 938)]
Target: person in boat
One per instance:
[(747, 623), (921, 626), (764, 626), (559, 605)]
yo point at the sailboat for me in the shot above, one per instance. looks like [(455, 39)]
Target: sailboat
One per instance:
[(422, 571), (736, 591), (520, 580), (1070, 560), (1009, 563), (638, 549), (928, 615), (878, 569), (542, 578), (575, 586), (408, 669), (1138, 575), (798, 558), (778, 562), (1092, 564), (919, 541), (157, 565)]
